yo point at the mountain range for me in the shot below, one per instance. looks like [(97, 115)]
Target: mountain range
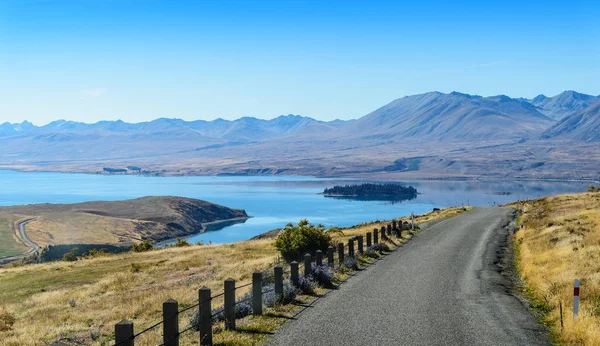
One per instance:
[(563, 104), (429, 135)]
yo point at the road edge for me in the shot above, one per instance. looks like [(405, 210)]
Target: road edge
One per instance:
[(506, 265)]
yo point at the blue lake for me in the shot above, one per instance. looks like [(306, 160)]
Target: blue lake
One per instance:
[(271, 201)]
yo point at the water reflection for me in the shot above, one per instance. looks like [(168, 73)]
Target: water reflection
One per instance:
[(390, 199)]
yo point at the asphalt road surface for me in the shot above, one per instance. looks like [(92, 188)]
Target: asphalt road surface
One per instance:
[(441, 288), (23, 237)]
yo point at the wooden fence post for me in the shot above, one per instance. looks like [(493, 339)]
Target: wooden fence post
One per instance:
[(389, 229), (171, 323), (319, 259), (368, 240), (294, 273), (229, 304), (205, 318), (341, 253), (383, 237), (375, 236), (330, 251), (124, 333), (350, 247), (257, 294), (394, 224), (361, 248), (307, 265), (279, 281)]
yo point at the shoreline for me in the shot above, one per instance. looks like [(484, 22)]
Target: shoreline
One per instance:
[(342, 176), (162, 243)]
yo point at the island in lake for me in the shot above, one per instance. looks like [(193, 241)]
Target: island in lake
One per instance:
[(372, 191)]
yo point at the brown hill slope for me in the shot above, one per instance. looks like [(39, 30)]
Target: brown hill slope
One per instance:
[(99, 222)]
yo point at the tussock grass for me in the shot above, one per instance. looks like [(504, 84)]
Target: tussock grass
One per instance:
[(133, 286), (559, 242)]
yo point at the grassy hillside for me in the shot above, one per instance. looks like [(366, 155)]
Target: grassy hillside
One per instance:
[(558, 243), (9, 244), (155, 218), (106, 289)]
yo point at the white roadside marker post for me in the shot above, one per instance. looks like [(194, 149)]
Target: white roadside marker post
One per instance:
[(576, 298)]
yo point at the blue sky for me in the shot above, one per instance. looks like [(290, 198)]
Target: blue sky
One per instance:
[(90, 60)]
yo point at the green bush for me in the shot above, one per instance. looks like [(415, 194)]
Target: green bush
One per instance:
[(296, 240), (144, 246), (71, 256), (593, 189), (181, 243)]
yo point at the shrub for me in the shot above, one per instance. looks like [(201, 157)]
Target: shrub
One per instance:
[(380, 247), (181, 243), (72, 302), (135, 267), (371, 252), (7, 320), (335, 230), (593, 189), (306, 285), (271, 299), (96, 253), (71, 256), (351, 263), (294, 241), (95, 334), (243, 308), (144, 246), (322, 275), (268, 277)]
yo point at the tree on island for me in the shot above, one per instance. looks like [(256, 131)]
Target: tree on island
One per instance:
[(371, 190)]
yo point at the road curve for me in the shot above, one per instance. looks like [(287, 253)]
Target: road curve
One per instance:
[(24, 235), (441, 288), (23, 238)]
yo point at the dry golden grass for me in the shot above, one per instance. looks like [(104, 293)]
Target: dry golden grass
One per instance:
[(81, 228), (133, 286), (108, 289), (558, 243)]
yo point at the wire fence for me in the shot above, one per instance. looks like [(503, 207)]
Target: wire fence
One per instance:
[(124, 333)]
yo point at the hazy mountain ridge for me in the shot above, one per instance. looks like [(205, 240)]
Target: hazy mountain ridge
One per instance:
[(428, 135), (583, 125), (454, 116), (247, 128), (559, 106)]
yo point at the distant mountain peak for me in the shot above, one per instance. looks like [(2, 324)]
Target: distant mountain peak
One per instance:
[(563, 104), (456, 93), (453, 117), (583, 125), (539, 98)]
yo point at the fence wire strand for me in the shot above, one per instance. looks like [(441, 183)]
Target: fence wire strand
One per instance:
[(286, 270)]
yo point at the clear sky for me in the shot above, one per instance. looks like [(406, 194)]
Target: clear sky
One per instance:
[(90, 60)]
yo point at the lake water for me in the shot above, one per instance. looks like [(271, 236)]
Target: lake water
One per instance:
[(272, 201)]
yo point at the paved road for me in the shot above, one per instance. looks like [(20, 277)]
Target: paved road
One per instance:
[(441, 288), (23, 237)]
